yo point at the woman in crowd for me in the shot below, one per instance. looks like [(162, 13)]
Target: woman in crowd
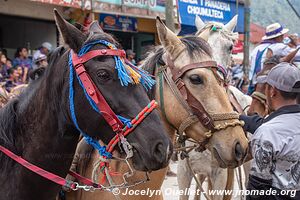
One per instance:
[(22, 59), (3, 67)]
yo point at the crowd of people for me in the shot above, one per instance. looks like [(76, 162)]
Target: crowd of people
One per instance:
[(273, 146), (276, 42), (14, 72)]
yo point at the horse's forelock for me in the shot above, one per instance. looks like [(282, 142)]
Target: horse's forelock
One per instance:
[(193, 45)]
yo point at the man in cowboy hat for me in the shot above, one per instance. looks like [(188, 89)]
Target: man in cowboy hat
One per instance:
[(45, 49), (272, 44)]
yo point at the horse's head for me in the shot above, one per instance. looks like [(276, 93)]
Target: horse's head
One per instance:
[(151, 145), (220, 37), (204, 88), (259, 102)]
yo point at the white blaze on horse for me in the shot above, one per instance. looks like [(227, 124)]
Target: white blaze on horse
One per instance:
[(197, 105), (221, 39)]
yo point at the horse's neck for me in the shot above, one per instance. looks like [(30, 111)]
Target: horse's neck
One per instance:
[(43, 138), (156, 95)]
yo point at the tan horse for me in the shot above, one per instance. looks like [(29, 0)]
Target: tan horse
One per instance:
[(228, 145), (221, 38)]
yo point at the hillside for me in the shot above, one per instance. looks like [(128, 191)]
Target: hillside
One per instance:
[(265, 12)]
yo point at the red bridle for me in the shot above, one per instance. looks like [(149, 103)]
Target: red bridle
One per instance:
[(91, 89), (110, 117)]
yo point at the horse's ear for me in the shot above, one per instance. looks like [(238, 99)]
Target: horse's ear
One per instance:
[(231, 24), (288, 58), (95, 27), (70, 34), (168, 39), (205, 34), (199, 23)]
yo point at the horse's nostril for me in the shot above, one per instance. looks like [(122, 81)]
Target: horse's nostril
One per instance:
[(160, 153), (238, 151)]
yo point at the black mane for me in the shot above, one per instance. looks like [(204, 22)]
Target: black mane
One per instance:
[(194, 45), (8, 119)]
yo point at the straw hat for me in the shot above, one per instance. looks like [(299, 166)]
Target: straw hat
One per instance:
[(274, 30)]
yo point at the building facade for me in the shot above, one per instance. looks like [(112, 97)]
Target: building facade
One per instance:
[(29, 23)]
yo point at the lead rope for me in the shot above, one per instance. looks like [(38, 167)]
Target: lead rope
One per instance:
[(196, 179)]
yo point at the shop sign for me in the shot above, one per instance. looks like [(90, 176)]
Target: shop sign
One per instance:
[(118, 23), (85, 4), (210, 10)]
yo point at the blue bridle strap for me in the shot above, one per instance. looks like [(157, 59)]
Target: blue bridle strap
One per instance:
[(125, 79)]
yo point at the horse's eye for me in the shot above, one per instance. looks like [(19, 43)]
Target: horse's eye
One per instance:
[(230, 48), (196, 79), (103, 75)]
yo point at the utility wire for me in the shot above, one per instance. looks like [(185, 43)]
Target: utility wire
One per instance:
[(293, 8)]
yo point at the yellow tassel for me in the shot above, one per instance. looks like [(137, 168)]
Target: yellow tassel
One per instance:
[(134, 75)]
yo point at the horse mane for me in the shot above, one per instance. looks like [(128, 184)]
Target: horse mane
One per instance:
[(8, 119), (193, 44), (269, 64), (221, 29), (9, 115)]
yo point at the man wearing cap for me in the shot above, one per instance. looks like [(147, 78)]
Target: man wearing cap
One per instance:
[(272, 44), (275, 144), (43, 50)]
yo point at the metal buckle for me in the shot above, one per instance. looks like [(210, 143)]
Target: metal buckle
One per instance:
[(87, 188), (205, 120)]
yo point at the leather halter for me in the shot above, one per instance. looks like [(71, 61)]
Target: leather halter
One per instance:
[(191, 104), (196, 106)]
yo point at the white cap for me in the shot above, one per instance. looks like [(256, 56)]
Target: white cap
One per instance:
[(47, 45)]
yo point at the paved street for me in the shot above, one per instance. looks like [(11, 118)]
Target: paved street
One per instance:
[(170, 184)]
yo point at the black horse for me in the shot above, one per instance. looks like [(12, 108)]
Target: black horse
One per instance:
[(37, 125)]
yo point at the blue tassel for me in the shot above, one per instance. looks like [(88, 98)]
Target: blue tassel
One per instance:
[(124, 78), (125, 121)]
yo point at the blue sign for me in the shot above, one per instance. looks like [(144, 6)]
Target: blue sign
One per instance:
[(118, 23), (210, 10)]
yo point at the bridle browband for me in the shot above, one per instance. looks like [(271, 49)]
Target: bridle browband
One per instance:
[(194, 107), (91, 89)]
